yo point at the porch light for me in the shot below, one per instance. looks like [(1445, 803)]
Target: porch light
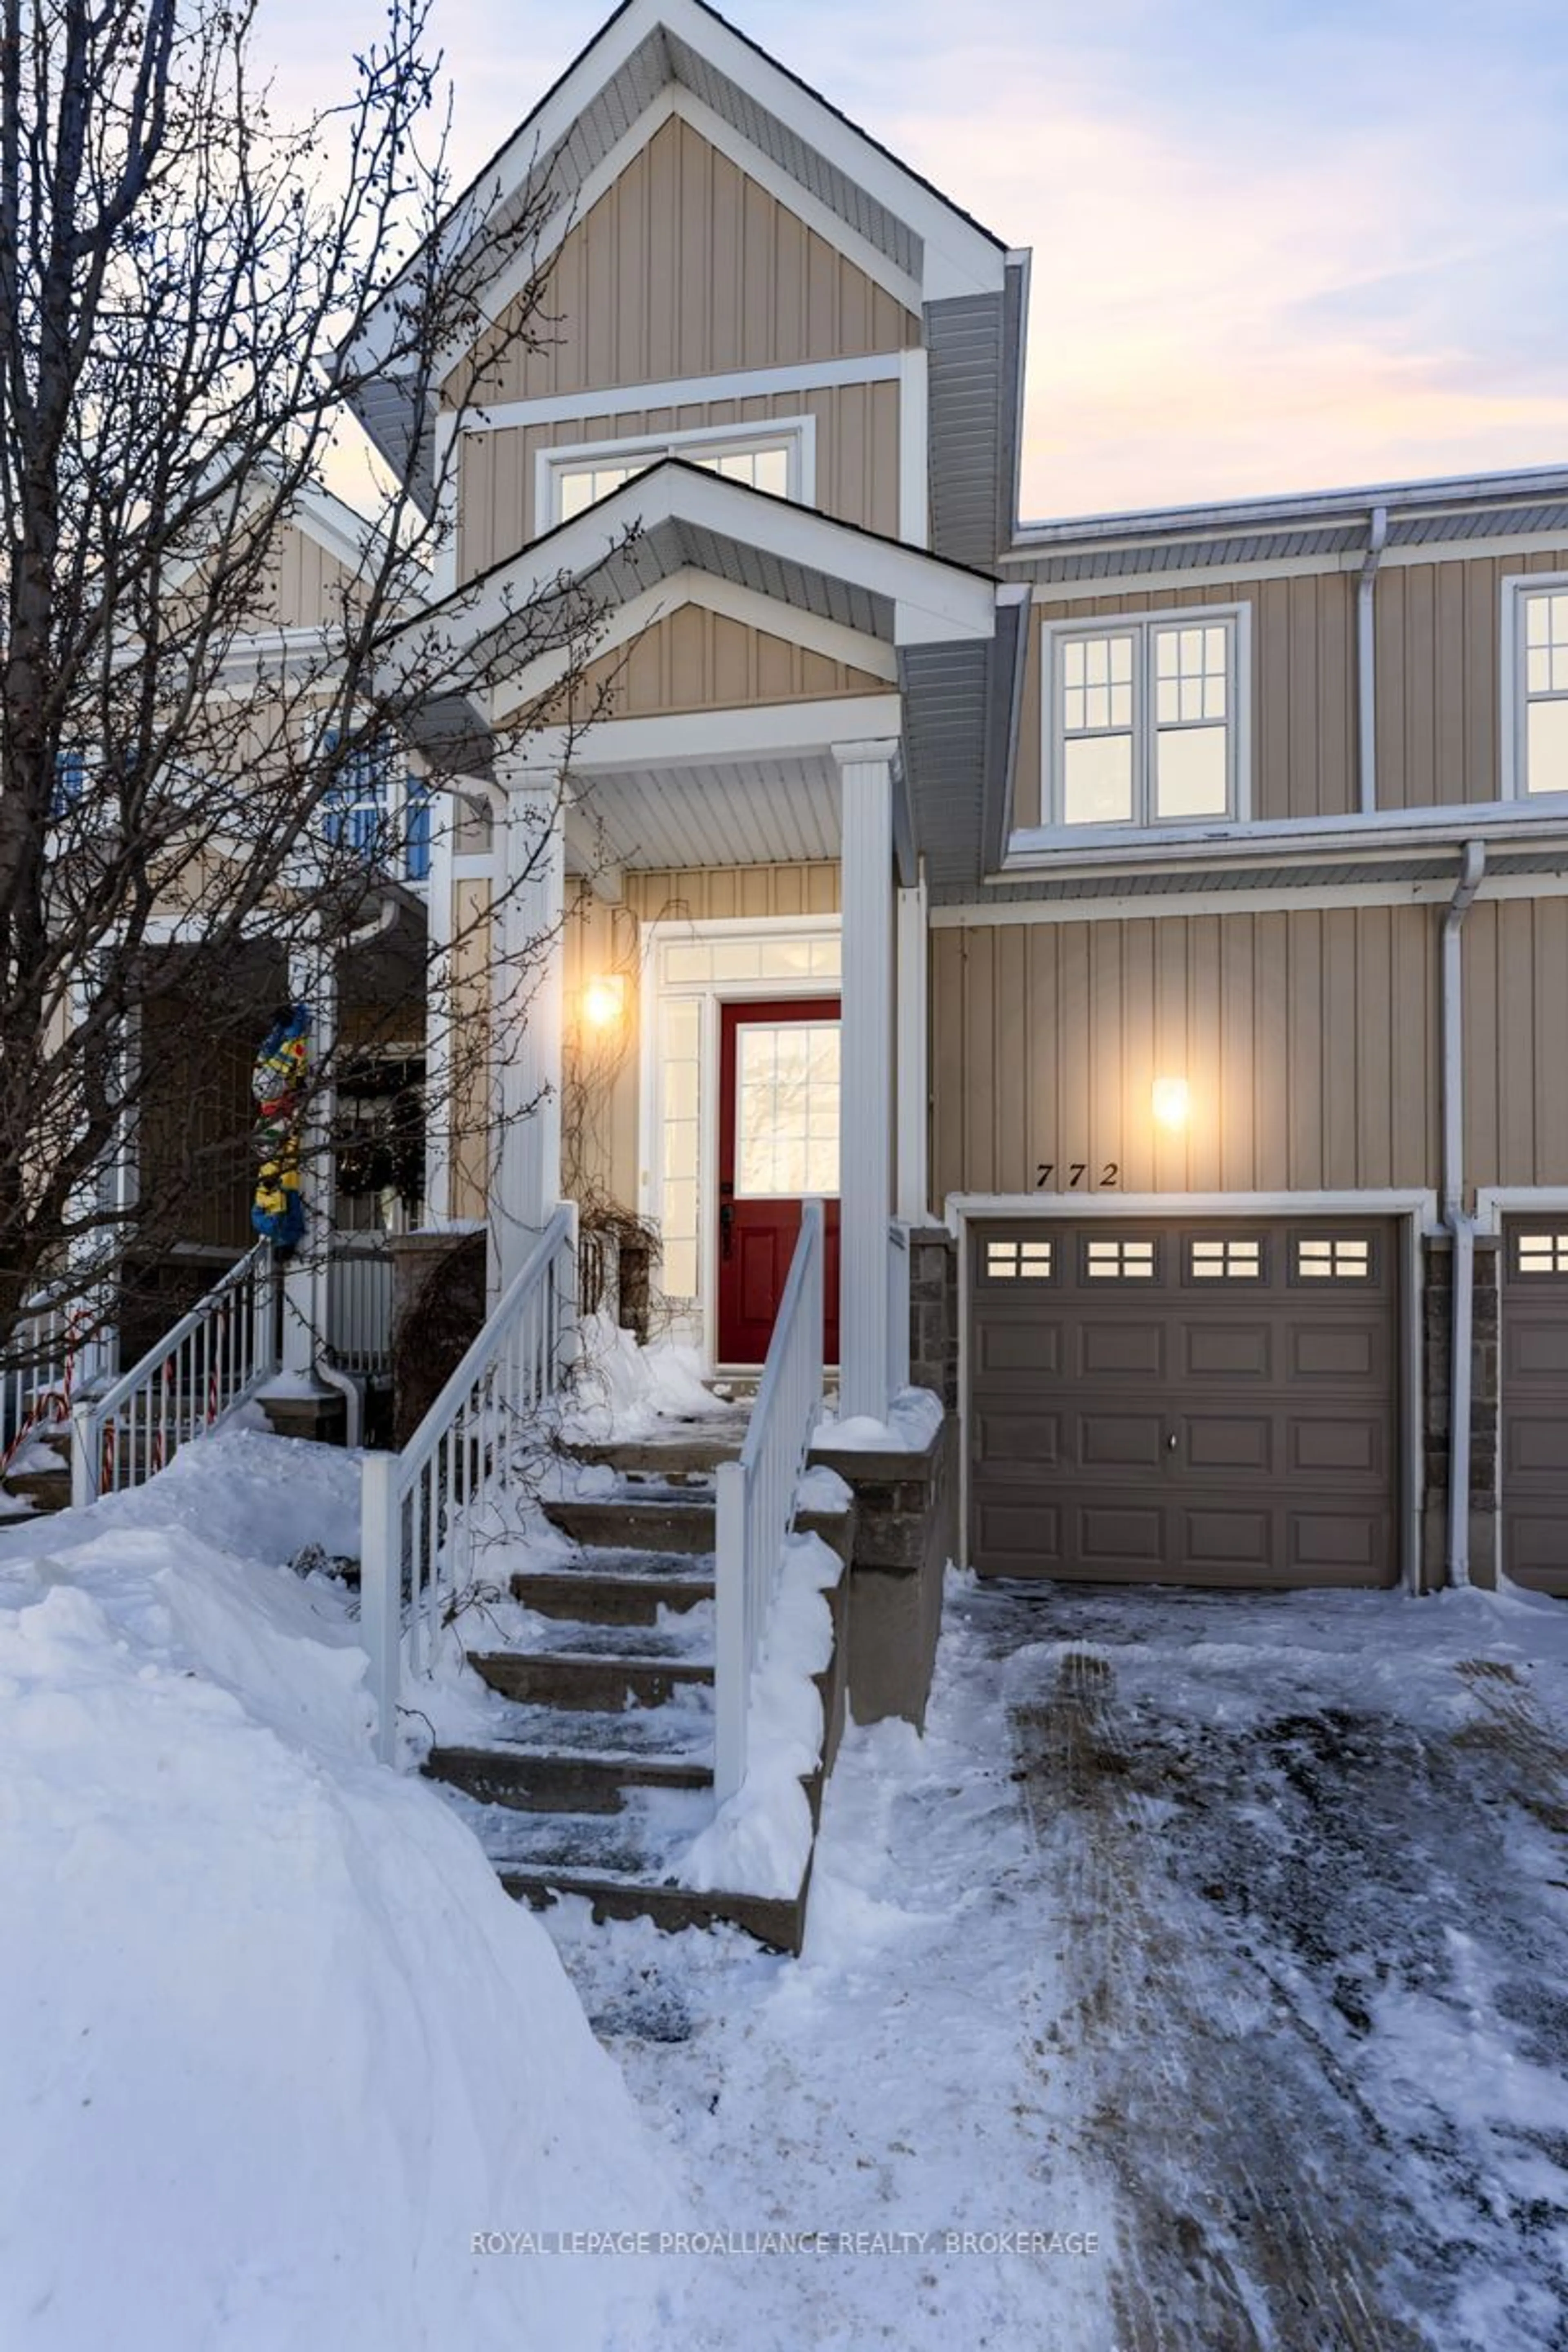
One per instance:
[(1172, 1102), (604, 1001)]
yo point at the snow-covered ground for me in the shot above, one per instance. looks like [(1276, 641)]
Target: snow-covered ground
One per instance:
[(1215, 1948), (274, 2046), (1197, 1982)]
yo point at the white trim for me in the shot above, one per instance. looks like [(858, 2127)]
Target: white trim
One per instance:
[(693, 739), (729, 599), (1155, 577), (912, 1055), (1144, 729), (914, 448), (711, 995), (1157, 905), (934, 602), (685, 392), (1417, 1208), (1513, 696), (1495, 1201), (865, 1181), (1036, 849), (794, 436)]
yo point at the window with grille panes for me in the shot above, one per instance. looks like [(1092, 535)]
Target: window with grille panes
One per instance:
[(1540, 734), (1143, 719), (775, 461)]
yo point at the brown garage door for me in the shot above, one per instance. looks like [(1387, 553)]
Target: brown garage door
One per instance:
[(1195, 1403), (1535, 1401)]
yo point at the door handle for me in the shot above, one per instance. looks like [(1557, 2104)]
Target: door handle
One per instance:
[(1171, 1443), (726, 1219)]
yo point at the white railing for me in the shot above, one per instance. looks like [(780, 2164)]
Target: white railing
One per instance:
[(358, 1303), (214, 1360), (755, 1498), (898, 1307), (418, 1509), (36, 1390)]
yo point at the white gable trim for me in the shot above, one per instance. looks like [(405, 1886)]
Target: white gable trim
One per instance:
[(733, 603), (736, 383), (695, 738), (675, 100)]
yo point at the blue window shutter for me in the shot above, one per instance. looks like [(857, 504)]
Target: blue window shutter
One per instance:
[(416, 829), (70, 782)]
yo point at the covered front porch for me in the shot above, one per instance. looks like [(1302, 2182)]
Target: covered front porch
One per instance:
[(736, 1019)]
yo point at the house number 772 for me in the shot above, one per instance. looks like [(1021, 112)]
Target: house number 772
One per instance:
[(1070, 1175)]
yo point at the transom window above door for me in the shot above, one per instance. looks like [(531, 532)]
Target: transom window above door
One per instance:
[(1145, 719), (777, 458)]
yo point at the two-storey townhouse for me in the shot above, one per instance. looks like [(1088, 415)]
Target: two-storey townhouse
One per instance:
[(1168, 907)]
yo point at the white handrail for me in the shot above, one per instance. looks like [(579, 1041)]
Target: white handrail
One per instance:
[(897, 1307), (213, 1360), (416, 1506), (755, 1498)]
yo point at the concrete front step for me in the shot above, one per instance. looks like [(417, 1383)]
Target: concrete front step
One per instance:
[(46, 1490), (616, 1587), (561, 1781), (695, 1457), (664, 1524), (572, 1680), (778, 1921)]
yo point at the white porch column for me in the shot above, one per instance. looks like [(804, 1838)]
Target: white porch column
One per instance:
[(913, 1071), (445, 812), (529, 1008), (866, 1146), (312, 981)]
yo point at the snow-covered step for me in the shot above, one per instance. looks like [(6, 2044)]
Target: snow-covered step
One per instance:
[(577, 1678), (618, 1587), (666, 1519)]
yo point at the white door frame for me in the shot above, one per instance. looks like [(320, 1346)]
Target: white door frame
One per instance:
[(712, 995), (1415, 1209)]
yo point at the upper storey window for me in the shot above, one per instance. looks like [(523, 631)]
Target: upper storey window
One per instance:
[(779, 459), (1143, 719), (1539, 618)]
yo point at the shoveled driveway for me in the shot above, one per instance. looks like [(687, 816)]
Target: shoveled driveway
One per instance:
[(1309, 1857)]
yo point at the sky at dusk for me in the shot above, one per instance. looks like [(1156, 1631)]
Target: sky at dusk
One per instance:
[(1278, 244)]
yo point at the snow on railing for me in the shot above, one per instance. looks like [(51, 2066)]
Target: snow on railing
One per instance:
[(755, 1500), (214, 1360), (359, 1302), (416, 1506), (898, 1307)]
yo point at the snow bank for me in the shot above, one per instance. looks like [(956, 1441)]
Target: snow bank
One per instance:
[(759, 1842), (914, 1420), (278, 2047), (625, 1391)]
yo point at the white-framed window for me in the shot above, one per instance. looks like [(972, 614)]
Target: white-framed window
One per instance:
[(1535, 684), (778, 456), (1144, 721)]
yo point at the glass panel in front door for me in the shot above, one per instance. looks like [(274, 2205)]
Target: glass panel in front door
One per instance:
[(786, 1109)]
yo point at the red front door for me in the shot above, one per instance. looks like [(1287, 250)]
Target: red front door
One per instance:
[(778, 1145)]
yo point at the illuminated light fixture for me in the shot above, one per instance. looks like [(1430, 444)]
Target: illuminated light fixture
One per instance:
[(604, 1001), (1172, 1102)]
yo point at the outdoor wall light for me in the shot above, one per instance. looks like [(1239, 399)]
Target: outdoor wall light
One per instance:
[(604, 1001), (1172, 1102)]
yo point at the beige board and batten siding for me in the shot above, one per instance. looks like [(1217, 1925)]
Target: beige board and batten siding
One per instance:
[(1308, 1041), (686, 267), (1516, 1042), (856, 459), (695, 659), (1437, 640)]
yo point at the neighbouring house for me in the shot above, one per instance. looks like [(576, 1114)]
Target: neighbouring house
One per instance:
[(1149, 933)]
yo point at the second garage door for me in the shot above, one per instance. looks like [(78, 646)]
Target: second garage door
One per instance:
[(1535, 1401), (1198, 1402)]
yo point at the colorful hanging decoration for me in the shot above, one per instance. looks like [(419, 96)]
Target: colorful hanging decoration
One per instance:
[(278, 1083)]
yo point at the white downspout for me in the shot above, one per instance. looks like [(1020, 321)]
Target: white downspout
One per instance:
[(1456, 1217), (1366, 664)]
